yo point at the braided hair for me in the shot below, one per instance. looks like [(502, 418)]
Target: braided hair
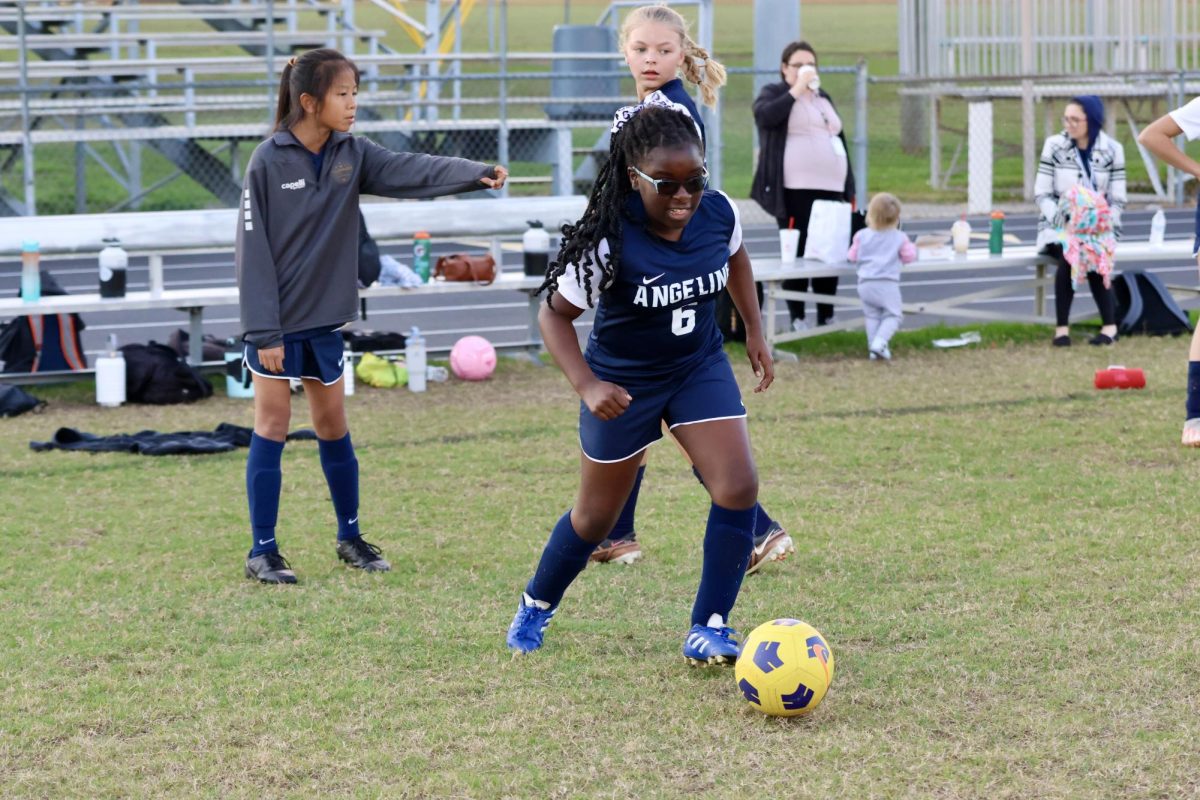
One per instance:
[(651, 127)]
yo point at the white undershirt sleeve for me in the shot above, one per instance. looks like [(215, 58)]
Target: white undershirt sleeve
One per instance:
[(735, 239), (1188, 119), (571, 288)]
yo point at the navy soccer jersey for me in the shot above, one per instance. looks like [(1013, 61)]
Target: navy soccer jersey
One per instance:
[(675, 91), (658, 317)]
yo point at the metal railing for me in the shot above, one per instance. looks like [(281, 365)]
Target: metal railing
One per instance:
[(984, 38)]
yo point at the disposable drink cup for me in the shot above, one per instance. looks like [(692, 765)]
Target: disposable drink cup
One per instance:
[(789, 240)]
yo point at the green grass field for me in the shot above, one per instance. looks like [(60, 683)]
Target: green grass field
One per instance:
[(842, 32), (1000, 556)]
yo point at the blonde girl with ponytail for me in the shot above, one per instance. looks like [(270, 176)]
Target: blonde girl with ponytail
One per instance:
[(656, 46)]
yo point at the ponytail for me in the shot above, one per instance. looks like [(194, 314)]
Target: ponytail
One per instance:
[(703, 70), (698, 66), (283, 106)]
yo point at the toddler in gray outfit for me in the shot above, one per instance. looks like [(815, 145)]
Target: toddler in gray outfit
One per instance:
[(880, 250)]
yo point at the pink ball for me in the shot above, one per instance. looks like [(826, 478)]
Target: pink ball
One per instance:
[(473, 358)]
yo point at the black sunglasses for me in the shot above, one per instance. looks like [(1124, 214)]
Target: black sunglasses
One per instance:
[(671, 188)]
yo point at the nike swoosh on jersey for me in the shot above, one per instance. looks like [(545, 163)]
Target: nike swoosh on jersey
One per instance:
[(652, 280)]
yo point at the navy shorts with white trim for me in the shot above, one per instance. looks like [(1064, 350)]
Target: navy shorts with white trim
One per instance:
[(704, 393), (315, 354)]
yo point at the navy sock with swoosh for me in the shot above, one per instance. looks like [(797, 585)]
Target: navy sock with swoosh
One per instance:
[(263, 480), (341, 473), (563, 558)]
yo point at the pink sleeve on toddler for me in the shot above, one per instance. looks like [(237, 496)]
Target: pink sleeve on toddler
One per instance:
[(908, 251), (852, 253)]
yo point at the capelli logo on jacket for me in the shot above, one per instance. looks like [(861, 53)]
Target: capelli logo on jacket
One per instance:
[(293, 185)]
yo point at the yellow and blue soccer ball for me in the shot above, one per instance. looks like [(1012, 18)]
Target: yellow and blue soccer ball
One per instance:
[(785, 668)]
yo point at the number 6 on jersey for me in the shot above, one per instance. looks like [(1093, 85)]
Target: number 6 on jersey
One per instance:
[(683, 321)]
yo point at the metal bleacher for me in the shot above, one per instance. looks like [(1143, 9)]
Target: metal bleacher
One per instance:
[(86, 59), (194, 81)]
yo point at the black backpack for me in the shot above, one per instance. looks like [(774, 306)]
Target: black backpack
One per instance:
[(43, 342), (369, 265), (729, 321), (373, 341), (156, 374), (15, 401), (1144, 305)]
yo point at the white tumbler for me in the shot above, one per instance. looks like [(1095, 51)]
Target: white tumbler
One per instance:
[(789, 242)]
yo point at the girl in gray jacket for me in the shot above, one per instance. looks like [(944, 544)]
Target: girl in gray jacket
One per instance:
[(297, 271)]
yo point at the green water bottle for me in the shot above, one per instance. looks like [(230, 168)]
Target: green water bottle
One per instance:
[(421, 255), (996, 235)]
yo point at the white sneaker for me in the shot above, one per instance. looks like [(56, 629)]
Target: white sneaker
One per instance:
[(799, 325), (879, 349)]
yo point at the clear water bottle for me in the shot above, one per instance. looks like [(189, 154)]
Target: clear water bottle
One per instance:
[(1158, 229), (960, 234), (414, 356), (348, 372), (31, 276)]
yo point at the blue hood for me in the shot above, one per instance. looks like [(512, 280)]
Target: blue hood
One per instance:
[(1093, 108)]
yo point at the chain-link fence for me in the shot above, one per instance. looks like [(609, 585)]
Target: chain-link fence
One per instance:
[(163, 111), (981, 135)]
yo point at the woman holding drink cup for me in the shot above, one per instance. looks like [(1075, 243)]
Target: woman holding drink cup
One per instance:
[(802, 159)]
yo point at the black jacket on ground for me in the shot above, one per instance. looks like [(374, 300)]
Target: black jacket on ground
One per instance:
[(772, 108), (223, 438)]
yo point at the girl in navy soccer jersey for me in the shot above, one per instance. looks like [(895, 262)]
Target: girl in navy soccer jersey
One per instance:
[(297, 272), (651, 252), (655, 44)]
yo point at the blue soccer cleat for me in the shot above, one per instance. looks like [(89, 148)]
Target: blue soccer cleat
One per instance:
[(705, 645), (529, 625)]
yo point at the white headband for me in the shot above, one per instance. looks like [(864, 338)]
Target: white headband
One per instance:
[(656, 98)]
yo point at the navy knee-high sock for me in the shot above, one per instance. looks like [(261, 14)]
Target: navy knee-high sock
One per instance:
[(563, 558), (341, 473), (762, 522), (728, 540), (263, 480), (624, 527), (1193, 390)]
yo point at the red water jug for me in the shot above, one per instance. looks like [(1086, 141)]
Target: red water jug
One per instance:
[(1118, 377)]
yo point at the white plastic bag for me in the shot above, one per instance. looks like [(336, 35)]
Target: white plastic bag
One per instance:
[(828, 231)]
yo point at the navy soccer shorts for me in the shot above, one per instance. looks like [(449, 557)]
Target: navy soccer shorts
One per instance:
[(1196, 242), (706, 393), (316, 355)]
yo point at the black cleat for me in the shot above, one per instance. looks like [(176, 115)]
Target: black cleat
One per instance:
[(361, 554), (270, 568)]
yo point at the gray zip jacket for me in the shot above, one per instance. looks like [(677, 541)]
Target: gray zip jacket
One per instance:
[(297, 238)]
